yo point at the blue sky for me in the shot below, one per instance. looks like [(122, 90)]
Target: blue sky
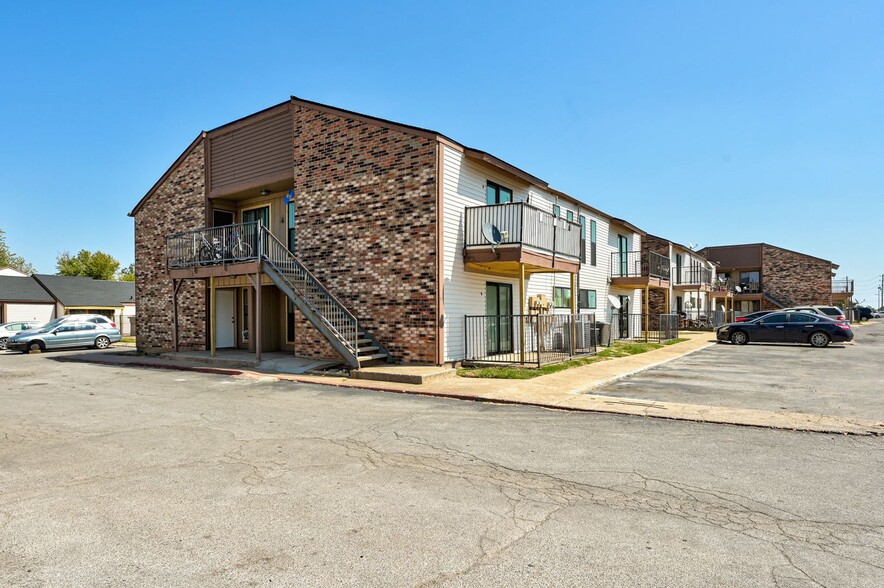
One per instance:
[(704, 123)]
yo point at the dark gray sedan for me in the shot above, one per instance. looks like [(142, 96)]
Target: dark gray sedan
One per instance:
[(787, 327), (65, 336)]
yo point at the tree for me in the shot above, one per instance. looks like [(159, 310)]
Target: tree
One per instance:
[(127, 274), (9, 259), (98, 265)]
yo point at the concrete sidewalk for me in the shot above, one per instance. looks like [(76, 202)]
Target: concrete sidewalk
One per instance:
[(566, 390)]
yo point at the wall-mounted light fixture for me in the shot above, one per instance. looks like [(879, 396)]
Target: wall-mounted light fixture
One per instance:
[(266, 192)]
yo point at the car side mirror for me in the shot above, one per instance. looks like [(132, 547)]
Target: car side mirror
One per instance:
[(54, 331)]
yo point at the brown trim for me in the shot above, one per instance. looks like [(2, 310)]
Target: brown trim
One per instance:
[(440, 254), (168, 172), (507, 167), (207, 176), (639, 282), (216, 271), (248, 119), (763, 245), (508, 255), (262, 182)]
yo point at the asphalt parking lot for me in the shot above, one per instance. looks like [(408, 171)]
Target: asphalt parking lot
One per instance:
[(841, 380), (114, 476)]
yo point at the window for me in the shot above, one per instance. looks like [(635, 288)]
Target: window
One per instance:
[(291, 218), (497, 194), (557, 210), (777, 317), (801, 317), (562, 297), (570, 216), (582, 239), (750, 281), (592, 243), (586, 299)]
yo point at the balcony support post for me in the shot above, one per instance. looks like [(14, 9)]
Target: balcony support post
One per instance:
[(666, 307), (259, 319), (212, 317), (573, 312), (647, 302), (522, 313)]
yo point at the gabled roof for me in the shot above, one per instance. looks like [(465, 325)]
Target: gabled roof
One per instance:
[(471, 152), (22, 289), (82, 291)]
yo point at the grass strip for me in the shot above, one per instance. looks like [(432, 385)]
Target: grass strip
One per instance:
[(508, 372)]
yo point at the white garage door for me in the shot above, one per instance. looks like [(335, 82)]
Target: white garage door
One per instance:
[(30, 312)]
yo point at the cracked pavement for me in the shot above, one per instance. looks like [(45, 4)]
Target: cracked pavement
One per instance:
[(126, 476)]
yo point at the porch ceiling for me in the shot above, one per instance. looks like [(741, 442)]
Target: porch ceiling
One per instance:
[(506, 261)]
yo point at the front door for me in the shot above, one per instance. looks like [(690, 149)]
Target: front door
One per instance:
[(622, 256), (222, 218), (261, 214), (225, 318), (623, 317), (499, 311)]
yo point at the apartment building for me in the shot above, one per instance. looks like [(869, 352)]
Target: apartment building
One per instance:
[(328, 233), (768, 277)]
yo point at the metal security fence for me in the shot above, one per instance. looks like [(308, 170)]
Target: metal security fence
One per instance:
[(696, 319), (645, 328), (537, 340)]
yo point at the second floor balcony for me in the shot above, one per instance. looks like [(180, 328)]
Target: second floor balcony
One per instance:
[(500, 237), (842, 288), (692, 277), (639, 269)]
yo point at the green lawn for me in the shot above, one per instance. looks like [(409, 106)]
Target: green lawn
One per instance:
[(128, 339), (618, 349)]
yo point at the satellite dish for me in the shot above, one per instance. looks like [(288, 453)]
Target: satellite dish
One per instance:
[(738, 289), (692, 245), (688, 304), (491, 234), (615, 302)]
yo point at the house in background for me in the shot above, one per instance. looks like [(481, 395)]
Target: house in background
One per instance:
[(8, 271), (326, 233), (768, 277), (82, 295), (22, 298)]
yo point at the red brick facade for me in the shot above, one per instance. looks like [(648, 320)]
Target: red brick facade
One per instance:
[(794, 278), (177, 204), (366, 228)]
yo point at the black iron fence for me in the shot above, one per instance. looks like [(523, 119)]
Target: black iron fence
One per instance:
[(635, 264), (657, 328), (213, 245), (536, 339)]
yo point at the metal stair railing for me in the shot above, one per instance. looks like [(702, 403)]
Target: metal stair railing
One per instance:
[(322, 304)]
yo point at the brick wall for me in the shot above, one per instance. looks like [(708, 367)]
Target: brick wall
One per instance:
[(656, 297), (178, 204), (795, 279), (366, 228)]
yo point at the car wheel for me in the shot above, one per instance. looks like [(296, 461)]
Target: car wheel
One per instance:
[(3, 342), (102, 342), (35, 346), (819, 339), (739, 338)]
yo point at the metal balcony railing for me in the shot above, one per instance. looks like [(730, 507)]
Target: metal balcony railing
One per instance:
[(522, 224), (636, 264), (213, 245), (725, 286), (693, 276), (842, 286)]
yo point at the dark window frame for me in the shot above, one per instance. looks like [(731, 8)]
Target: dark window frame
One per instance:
[(561, 289), (583, 299), (498, 189)]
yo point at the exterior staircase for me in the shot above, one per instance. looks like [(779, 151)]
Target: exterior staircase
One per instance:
[(325, 312), (780, 302)]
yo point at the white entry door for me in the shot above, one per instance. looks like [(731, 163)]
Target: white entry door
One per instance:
[(225, 318)]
